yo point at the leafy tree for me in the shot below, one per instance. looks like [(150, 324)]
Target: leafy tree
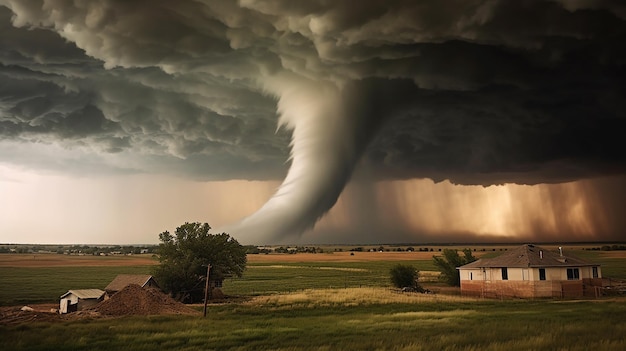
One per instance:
[(185, 255), (449, 262), (404, 276)]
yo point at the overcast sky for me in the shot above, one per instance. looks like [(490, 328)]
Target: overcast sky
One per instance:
[(313, 121)]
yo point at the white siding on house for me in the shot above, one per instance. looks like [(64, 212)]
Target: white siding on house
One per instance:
[(561, 273), (526, 274), (515, 274), (555, 273), (472, 274), (587, 272)]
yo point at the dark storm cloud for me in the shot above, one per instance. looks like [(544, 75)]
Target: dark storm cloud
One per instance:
[(478, 92), (501, 88), (52, 92), (499, 135)]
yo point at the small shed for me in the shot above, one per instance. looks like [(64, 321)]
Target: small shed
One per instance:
[(75, 300), (124, 280)]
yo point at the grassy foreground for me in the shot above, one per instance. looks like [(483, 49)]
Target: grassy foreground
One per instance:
[(346, 319), (318, 306)]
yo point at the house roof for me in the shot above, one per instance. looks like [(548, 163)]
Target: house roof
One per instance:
[(123, 280), (529, 255), (85, 293)]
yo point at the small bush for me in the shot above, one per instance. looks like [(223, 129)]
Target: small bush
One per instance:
[(404, 276)]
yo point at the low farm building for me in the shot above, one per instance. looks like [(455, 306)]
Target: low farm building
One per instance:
[(530, 271), (76, 300), (123, 280)]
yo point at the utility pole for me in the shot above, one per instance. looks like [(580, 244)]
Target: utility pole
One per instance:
[(206, 288)]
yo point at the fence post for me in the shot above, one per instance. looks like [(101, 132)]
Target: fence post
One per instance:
[(206, 289)]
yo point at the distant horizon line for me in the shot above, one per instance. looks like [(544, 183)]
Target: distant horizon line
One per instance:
[(490, 243)]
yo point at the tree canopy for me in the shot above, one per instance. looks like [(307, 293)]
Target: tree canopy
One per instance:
[(449, 262), (185, 255)]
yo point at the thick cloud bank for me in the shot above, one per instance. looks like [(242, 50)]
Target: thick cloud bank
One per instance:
[(477, 92)]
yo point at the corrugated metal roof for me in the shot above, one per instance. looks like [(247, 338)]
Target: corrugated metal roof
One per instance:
[(85, 293), (529, 255), (123, 280)]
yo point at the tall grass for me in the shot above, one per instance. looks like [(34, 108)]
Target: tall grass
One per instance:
[(313, 298), (350, 319)]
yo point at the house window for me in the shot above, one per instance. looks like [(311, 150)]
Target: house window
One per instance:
[(542, 274), (594, 271), (573, 274), (505, 274), (471, 275)]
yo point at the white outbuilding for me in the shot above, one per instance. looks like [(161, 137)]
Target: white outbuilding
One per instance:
[(75, 300)]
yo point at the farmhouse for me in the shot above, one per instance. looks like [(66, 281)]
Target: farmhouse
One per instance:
[(75, 300), (124, 280), (530, 271)]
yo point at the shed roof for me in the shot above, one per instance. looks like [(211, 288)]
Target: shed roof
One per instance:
[(529, 255), (123, 280), (85, 293)]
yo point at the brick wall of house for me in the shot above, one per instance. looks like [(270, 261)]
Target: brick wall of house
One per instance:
[(522, 289)]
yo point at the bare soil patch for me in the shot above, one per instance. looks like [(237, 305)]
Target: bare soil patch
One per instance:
[(14, 315), (132, 300), (339, 257), (55, 260), (39, 313), (614, 254), (346, 256)]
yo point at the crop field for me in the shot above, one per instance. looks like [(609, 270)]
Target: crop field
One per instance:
[(43, 278), (55, 260), (287, 273), (318, 301)]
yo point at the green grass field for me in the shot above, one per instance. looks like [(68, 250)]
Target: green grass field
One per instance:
[(611, 267), (321, 322), (286, 277), (319, 306), (24, 285), (46, 284)]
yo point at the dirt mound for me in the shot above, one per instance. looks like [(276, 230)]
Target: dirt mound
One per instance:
[(135, 300)]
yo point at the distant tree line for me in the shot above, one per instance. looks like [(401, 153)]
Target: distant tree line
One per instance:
[(254, 250), (79, 249), (608, 248)]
